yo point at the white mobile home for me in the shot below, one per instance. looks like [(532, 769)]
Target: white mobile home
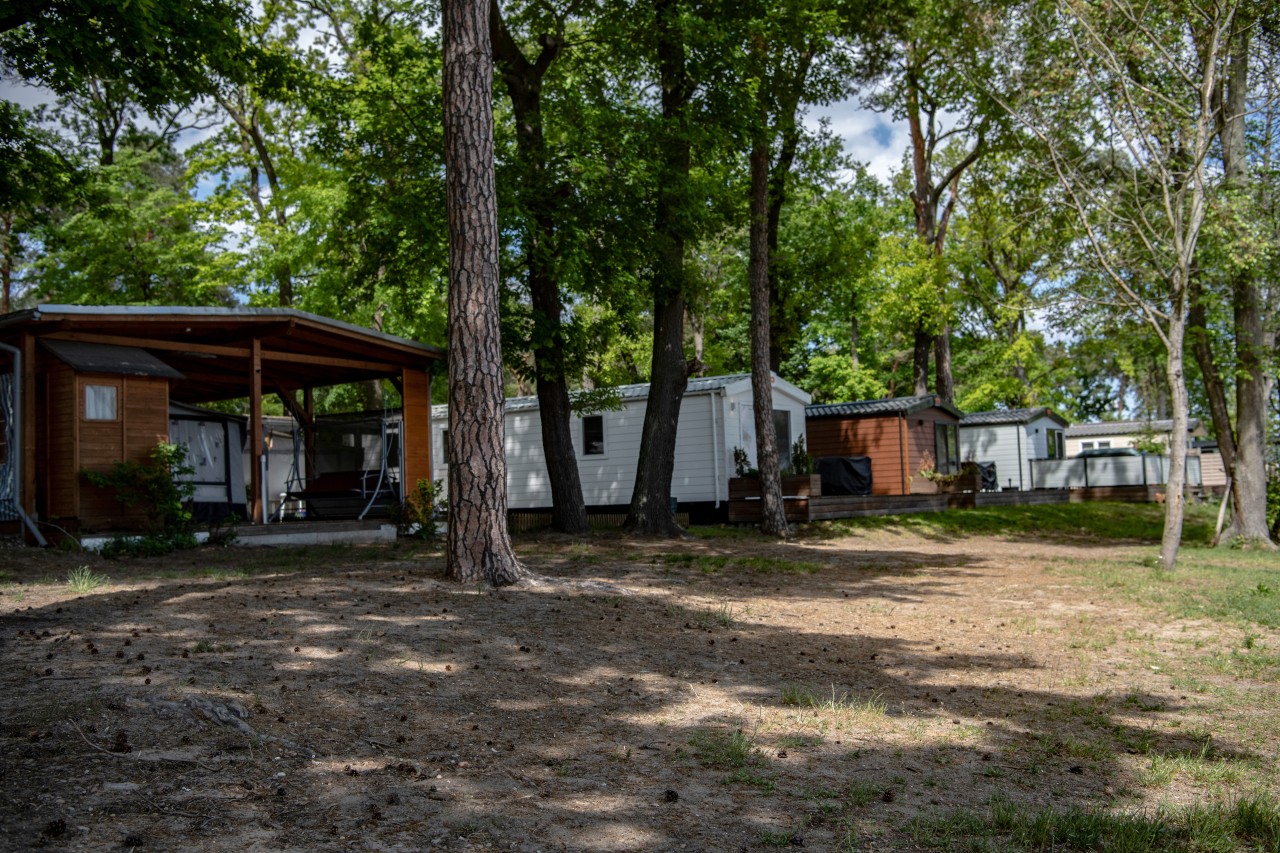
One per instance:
[(715, 417), (1011, 439), (1114, 434)]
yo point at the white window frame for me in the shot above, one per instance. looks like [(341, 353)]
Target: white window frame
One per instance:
[(94, 402), (444, 448), (604, 438)]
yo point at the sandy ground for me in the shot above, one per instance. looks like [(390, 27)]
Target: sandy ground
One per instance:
[(719, 694)]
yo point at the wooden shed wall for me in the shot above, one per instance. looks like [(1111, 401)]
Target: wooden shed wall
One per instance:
[(74, 444), (878, 437)]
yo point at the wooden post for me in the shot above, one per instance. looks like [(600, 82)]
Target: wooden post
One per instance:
[(257, 512), (415, 438)]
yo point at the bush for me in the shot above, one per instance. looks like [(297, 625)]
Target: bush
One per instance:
[(422, 512), (162, 488)]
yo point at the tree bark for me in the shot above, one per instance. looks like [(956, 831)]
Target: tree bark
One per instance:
[(479, 547), (523, 81), (773, 518), (920, 363), (1254, 340), (942, 358), (650, 510), (1175, 490)]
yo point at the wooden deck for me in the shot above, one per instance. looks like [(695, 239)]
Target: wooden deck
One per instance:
[(802, 509)]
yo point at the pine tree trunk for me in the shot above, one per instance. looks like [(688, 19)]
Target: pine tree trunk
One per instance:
[(479, 547), (773, 518)]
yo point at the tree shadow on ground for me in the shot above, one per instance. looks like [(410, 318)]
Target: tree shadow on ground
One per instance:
[(680, 711)]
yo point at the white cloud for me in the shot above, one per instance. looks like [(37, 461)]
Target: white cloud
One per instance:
[(868, 136)]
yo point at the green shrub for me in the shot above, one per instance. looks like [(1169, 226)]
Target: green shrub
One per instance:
[(162, 488), (422, 512)]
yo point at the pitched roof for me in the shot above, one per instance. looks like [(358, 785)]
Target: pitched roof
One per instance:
[(105, 358), (1127, 427), (891, 406), (1010, 416)]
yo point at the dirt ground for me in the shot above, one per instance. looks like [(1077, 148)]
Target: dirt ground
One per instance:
[(722, 694)]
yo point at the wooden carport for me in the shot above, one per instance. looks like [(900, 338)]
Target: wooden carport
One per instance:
[(224, 353)]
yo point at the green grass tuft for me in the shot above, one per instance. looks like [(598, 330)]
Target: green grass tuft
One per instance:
[(84, 580)]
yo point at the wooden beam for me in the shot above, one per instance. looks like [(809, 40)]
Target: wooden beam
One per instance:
[(257, 512), (148, 343), (415, 438)]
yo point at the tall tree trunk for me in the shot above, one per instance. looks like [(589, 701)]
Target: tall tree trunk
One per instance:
[(773, 518), (1254, 340), (1215, 390), (920, 363), (523, 80), (650, 510), (1175, 490), (479, 547), (942, 357)]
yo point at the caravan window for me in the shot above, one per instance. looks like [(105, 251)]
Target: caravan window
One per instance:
[(1056, 449), (100, 402), (444, 448), (593, 435), (946, 448)]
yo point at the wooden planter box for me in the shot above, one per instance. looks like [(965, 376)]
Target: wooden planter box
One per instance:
[(963, 483), (793, 485)]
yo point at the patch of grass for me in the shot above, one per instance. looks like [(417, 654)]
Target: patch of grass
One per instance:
[(804, 697), (721, 616), (1250, 823), (726, 751), (781, 838), (863, 793), (799, 741), (84, 580), (1095, 520), (747, 776)]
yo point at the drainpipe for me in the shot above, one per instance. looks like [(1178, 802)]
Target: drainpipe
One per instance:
[(1023, 463), (715, 449), (17, 443)]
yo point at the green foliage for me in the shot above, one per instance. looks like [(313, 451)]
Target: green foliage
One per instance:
[(594, 401), (84, 580), (801, 461), (742, 463), (162, 488), (423, 512)]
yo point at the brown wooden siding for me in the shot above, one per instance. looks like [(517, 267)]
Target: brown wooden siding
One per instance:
[(877, 437), (416, 440), (142, 421), (60, 463)]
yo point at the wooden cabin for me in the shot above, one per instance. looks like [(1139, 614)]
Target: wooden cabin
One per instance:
[(901, 436), (84, 387)]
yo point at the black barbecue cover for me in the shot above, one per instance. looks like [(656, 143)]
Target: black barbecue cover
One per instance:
[(990, 482), (845, 475)]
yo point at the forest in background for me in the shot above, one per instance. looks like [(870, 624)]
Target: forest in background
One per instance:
[(1086, 217)]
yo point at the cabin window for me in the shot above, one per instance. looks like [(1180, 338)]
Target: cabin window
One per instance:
[(100, 402), (593, 435), (444, 448), (1056, 448), (946, 447), (1094, 445)]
